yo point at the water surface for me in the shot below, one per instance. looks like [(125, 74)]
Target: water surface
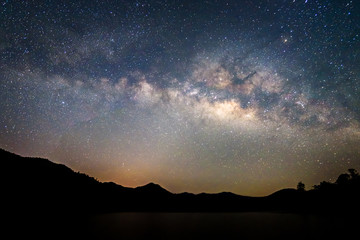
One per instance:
[(216, 225)]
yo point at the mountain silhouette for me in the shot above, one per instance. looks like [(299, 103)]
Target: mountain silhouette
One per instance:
[(152, 188), (36, 185)]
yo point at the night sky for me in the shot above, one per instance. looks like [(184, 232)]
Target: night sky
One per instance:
[(197, 96)]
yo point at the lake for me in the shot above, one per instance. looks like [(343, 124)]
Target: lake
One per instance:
[(263, 225)]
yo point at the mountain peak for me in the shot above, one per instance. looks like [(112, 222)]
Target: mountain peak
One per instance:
[(151, 184), (152, 187)]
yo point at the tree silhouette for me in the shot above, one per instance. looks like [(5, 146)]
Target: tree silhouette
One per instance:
[(324, 185), (301, 186), (343, 179)]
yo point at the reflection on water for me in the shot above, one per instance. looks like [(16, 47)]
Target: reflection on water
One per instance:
[(215, 225)]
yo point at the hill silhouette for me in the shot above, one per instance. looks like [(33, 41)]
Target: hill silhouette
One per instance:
[(36, 185)]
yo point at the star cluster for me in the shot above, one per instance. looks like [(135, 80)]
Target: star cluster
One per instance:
[(198, 96)]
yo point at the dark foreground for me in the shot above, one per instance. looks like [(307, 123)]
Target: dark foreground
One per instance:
[(41, 199), (139, 225), (217, 225)]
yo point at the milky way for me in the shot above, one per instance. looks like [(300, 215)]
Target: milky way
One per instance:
[(198, 96)]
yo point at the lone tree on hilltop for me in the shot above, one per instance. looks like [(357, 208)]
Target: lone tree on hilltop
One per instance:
[(300, 186)]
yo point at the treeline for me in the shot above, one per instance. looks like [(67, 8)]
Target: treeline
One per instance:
[(350, 180), (345, 181)]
